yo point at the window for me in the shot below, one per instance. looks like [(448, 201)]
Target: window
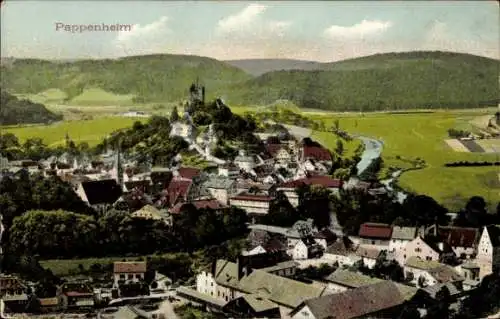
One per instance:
[(130, 276), (428, 258), (122, 276), (373, 242), (137, 276), (418, 249)]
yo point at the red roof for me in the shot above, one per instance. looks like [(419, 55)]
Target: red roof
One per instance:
[(178, 189), (252, 197), (317, 153), (199, 204), (129, 267), (374, 230), (273, 149), (459, 236), (322, 180), (188, 172)]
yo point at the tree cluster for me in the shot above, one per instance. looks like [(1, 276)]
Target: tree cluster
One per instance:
[(468, 164), (19, 111), (454, 133)]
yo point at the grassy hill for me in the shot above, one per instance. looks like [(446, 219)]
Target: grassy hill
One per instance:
[(18, 111), (391, 81), (146, 78), (258, 67)]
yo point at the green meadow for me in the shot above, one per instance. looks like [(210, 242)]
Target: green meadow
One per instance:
[(90, 131), (422, 135)]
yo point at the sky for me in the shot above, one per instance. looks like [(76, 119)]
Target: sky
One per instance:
[(229, 30)]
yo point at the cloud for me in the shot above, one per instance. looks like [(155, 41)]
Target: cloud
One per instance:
[(143, 39), (250, 24), (242, 20), (360, 30)]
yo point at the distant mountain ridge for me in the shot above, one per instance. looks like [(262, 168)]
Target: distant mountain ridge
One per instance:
[(258, 67), (389, 81)]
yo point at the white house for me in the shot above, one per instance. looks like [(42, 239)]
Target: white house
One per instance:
[(306, 248), (488, 250), (368, 255), (401, 236), (128, 272), (253, 204), (418, 247)]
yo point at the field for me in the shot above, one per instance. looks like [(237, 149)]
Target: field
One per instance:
[(90, 131), (422, 135)]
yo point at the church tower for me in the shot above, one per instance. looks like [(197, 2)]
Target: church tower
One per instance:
[(118, 165)]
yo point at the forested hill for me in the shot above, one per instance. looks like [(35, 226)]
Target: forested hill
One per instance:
[(381, 82), (16, 111), (392, 81), (162, 77)]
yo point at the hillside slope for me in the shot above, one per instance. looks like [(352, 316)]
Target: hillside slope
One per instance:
[(149, 78), (16, 111), (381, 82), (258, 67)]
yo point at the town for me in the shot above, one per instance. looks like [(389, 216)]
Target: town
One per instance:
[(282, 236)]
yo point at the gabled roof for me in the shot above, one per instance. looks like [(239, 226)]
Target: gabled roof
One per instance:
[(343, 246), (259, 304), (494, 233), (375, 230), (404, 233), (218, 182), (102, 192), (434, 289), (458, 236), (351, 279), (356, 303), (150, 211), (325, 181), (178, 189), (226, 273), (317, 153), (284, 291), (365, 252), (445, 273), (129, 267), (188, 172), (418, 263)]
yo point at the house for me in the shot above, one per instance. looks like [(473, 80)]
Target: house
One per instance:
[(178, 190), (250, 306), (13, 293), (221, 282), (306, 248), (280, 153), (427, 273), (342, 251), (375, 235), (244, 161), (271, 245), (254, 204), (342, 280), (462, 240), (379, 300), (99, 193), (488, 250), (75, 295), (248, 185), (221, 188), (368, 255), (229, 169), (316, 153), (470, 271), (420, 248), (289, 188), (126, 272), (400, 237)]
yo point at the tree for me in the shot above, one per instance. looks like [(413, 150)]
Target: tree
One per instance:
[(315, 203), (281, 212), (340, 148), (440, 308), (422, 210), (174, 115)]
